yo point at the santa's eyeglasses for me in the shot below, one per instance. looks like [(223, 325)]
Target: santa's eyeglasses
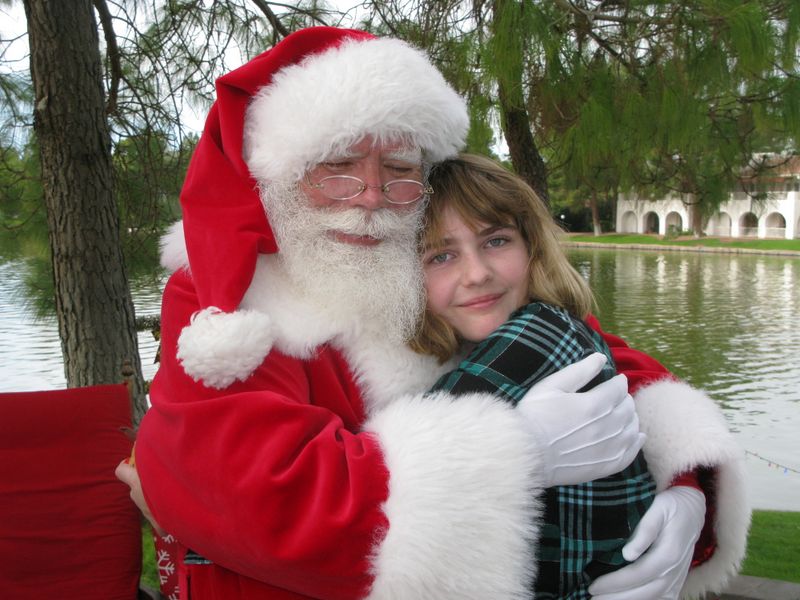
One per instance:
[(347, 187)]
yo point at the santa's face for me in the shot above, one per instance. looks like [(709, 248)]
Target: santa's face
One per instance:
[(375, 165), (354, 262)]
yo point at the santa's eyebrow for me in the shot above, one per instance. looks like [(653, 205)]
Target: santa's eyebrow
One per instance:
[(409, 155), (344, 155)]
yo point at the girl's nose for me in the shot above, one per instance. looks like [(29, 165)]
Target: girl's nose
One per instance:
[(475, 271)]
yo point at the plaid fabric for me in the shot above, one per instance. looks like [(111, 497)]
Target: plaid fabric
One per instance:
[(584, 526)]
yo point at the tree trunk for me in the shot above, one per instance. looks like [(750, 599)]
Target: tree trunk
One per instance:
[(598, 230), (514, 117), (93, 302), (612, 198), (525, 156), (697, 218)]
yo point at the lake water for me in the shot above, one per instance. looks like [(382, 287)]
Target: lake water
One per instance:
[(30, 350), (726, 323)]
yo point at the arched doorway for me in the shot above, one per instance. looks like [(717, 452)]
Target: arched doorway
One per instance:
[(775, 226), (748, 225), (674, 223), (650, 223)]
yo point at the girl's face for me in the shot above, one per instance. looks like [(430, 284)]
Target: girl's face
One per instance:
[(476, 279)]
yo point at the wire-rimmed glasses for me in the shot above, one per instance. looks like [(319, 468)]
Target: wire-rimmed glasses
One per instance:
[(347, 187)]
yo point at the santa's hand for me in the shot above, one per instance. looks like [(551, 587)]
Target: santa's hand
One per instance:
[(583, 436), (127, 474), (668, 532)]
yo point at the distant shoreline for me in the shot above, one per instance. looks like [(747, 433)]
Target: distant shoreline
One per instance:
[(660, 246)]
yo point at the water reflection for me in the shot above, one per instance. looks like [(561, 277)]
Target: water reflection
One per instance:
[(724, 322), (30, 351)]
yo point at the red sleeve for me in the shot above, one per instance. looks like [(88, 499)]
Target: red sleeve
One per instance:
[(638, 367), (689, 479), (265, 477), (702, 479), (641, 369)]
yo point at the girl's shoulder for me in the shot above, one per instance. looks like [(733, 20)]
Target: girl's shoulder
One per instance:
[(549, 325), (537, 313)]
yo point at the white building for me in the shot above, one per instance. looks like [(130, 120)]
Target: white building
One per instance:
[(776, 216)]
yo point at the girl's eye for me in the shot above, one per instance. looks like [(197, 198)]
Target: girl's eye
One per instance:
[(438, 259), (496, 242)]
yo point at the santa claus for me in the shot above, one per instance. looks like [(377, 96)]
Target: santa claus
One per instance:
[(290, 442)]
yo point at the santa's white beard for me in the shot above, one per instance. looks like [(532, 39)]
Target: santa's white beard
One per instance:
[(377, 289)]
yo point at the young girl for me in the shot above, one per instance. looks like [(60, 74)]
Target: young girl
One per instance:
[(500, 288)]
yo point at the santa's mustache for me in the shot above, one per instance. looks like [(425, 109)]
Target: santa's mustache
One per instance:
[(383, 224)]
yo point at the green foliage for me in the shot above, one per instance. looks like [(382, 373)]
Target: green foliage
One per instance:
[(481, 133), (23, 225), (162, 66), (651, 97), (149, 174)]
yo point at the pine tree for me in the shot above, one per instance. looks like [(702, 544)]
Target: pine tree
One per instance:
[(644, 95)]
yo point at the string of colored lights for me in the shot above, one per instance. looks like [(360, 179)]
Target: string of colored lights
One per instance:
[(772, 463)]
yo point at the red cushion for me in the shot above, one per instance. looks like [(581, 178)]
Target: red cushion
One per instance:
[(68, 528)]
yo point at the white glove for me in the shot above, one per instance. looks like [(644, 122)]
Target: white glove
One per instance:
[(583, 436), (669, 528)]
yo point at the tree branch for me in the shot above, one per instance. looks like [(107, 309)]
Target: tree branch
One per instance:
[(594, 15), (112, 51), (272, 18), (376, 6)]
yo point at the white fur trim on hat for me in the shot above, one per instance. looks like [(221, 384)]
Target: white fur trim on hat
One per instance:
[(173, 248), (219, 348), (686, 429), (319, 107), (463, 504)]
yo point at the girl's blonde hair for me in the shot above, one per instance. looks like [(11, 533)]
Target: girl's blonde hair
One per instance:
[(483, 192)]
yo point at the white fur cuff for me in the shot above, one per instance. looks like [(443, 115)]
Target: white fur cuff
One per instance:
[(462, 505), (685, 430)]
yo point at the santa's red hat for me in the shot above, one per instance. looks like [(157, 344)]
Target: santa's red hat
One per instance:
[(315, 93)]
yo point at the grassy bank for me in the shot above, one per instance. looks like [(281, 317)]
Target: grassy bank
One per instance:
[(149, 570), (773, 548), (688, 241)]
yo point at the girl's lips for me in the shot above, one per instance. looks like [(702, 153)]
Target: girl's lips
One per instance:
[(355, 240), (481, 301)]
